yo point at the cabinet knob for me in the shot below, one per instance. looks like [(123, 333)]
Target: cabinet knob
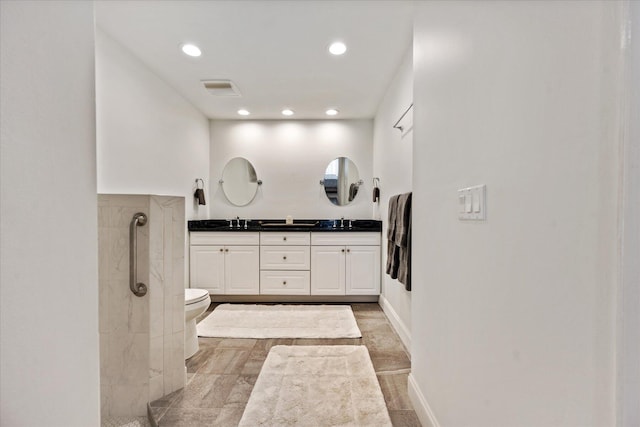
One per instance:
[(226, 250), (284, 257), (284, 282), (348, 250), (343, 250), (221, 250), (284, 238)]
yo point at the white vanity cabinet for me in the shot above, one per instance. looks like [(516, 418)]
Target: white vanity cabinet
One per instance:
[(285, 261), (225, 263), (345, 263)]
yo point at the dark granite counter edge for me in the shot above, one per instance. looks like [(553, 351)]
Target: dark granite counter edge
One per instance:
[(358, 225), (292, 229)]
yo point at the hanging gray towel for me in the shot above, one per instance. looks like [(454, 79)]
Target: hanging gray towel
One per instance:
[(392, 252), (393, 211), (403, 219), (199, 195), (403, 240), (399, 239)]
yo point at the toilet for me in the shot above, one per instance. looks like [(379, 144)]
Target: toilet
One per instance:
[(196, 302)]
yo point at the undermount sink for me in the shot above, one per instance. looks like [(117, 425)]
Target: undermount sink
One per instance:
[(364, 223), (214, 223), (293, 224)]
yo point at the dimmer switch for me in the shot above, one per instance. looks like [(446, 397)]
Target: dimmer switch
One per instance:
[(467, 202), (476, 202)]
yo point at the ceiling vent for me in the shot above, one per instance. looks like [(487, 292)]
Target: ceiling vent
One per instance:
[(221, 87)]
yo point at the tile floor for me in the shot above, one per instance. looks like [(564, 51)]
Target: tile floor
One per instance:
[(125, 422), (221, 375)]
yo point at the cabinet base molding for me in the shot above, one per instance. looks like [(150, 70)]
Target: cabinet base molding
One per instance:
[(294, 298)]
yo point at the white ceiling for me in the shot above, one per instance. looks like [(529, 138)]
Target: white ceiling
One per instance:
[(274, 51)]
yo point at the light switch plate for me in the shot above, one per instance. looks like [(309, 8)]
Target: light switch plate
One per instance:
[(472, 203)]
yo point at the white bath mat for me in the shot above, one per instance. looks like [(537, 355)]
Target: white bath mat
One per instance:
[(316, 386), (279, 321)]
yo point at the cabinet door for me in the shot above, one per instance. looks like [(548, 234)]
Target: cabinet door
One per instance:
[(242, 270), (206, 268), (363, 270), (327, 270)]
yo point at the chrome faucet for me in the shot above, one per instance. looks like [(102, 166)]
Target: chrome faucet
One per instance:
[(342, 222), (237, 220)]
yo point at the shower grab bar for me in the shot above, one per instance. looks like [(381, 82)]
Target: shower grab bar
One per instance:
[(139, 289)]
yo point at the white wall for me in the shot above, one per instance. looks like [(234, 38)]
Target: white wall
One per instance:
[(49, 369), (629, 295), (392, 163), (290, 157), (150, 139), (516, 314)]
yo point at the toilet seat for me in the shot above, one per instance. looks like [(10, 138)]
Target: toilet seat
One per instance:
[(194, 296)]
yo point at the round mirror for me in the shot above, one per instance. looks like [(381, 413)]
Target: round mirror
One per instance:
[(239, 181), (341, 181)]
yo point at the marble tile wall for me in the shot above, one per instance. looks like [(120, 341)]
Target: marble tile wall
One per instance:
[(141, 338), (166, 276)]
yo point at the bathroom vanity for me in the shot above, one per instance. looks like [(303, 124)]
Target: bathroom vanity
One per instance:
[(310, 260)]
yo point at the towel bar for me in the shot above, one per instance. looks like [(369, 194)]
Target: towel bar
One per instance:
[(402, 127)]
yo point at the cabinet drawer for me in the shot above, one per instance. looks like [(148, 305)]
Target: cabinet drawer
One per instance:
[(345, 238), (285, 257), (285, 283), (285, 238), (223, 238)]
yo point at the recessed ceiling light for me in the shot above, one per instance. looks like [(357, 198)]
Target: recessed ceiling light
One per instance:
[(243, 112), (191, 49), (331, 112), (337, 48), (287, 112)]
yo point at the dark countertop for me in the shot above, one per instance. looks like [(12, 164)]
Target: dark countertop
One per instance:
[(323, 225)]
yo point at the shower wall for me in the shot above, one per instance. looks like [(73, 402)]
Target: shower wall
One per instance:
[(141, 338)]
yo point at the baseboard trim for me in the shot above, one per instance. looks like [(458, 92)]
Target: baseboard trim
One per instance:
[(329, 299), (396, 322), (420, 405)]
